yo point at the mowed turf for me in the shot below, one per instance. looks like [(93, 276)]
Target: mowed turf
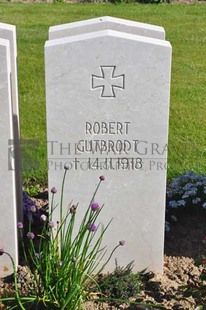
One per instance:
[(185, 27)]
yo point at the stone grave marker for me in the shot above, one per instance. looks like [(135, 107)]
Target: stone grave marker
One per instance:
[(8, 32), (103, 23), (107, 95), (8, 229)]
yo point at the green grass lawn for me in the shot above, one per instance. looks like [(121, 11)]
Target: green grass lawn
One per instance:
[(185, 27)]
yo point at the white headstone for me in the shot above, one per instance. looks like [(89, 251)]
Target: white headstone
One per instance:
[(8, 229), (107, 97), (8, 32), (103, 23)]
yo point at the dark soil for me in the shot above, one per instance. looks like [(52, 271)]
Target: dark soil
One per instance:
[(183, 244)]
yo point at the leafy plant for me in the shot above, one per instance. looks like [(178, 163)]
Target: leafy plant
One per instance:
[(188, 191), (31, 187), (122, 283), (198, 289), (64, 266)]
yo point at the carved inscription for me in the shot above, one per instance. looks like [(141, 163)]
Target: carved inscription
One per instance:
[(108, 82)]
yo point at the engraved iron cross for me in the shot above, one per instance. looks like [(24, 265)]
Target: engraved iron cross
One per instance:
[(108, 81)]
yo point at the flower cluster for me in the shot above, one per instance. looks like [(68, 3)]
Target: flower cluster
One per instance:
[(29, 208), (30, 235), (95, 206), (185, 191), (57, 255), (92, 227)]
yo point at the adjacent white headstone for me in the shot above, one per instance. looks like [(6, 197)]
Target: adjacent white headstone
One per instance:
[(8, 229), (103, 23), (8, 32), (107, 96)]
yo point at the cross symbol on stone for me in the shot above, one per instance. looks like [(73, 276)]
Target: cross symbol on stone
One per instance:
[(108, 81)]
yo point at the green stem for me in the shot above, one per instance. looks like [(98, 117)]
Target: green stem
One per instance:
[(23, 247), (15, 282), (108, 258), (52, 207), (30, 225)]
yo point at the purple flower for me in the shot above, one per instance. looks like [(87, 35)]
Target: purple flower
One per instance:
[(28, 207), (66, 167), (95, 206), (20, 225), (1, 252), (60, 263), (122, 242), (30, 235), (51, 224), (37, 255), (33, 209), (102, 178), (53, 190), (92, 227), (73, 209)]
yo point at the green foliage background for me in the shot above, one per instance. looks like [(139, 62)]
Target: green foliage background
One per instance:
[(185, 27)]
